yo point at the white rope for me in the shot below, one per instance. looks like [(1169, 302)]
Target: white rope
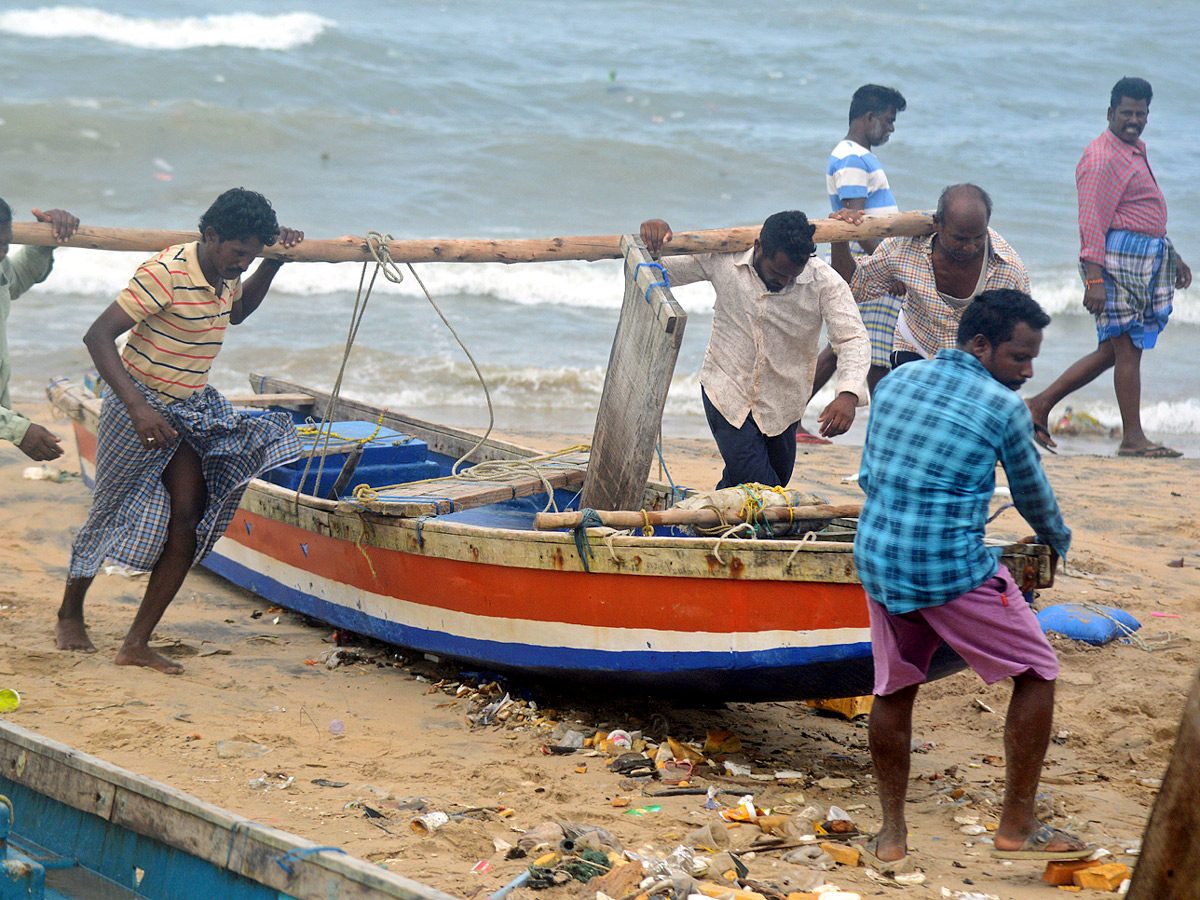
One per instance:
[(809, 538), (1128, 633), (732, 531)]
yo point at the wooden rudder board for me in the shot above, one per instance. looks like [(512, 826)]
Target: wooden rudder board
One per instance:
[(640, 367)]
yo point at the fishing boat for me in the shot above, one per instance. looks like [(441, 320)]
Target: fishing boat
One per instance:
[(74, 827), (374, 533), (456, 569)]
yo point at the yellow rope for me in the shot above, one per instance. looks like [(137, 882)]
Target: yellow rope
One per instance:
[(647, 528), (499, 470), (312, 429)]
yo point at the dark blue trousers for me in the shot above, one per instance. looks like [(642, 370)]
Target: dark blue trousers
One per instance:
[(750, 455)]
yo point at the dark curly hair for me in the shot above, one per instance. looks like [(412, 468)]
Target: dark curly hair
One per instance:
[(789, 232), (875, 98), (5, 214), (1133, 88), (238, 214), (995, 315)]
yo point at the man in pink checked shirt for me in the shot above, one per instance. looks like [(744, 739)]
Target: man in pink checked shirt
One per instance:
[(1129, 267)]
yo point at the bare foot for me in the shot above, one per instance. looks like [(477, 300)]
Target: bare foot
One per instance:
[(144, 656), (71, 634), (1041, 426)]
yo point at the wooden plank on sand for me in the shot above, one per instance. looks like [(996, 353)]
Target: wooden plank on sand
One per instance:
[(640, 367)]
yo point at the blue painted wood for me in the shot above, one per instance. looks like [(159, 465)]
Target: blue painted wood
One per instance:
[(117, 854)]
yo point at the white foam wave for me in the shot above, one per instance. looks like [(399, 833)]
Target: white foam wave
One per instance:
[(596, 285), (1061, 294), (1162, 417), (567, 283), (279, 32)]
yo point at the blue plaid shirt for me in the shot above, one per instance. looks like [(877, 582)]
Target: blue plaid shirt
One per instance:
[(937, 429)]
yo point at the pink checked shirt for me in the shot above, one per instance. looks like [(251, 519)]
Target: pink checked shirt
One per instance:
[(1116, 190)]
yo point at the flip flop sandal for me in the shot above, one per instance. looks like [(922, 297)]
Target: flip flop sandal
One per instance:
[(1041, 437), (1035, 847), (888, 867), (1158, 451)]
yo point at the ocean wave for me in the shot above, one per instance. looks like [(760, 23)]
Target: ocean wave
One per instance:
[(595, 285), (567, 283), (1161, 417), (1061, 294), (278, 32)]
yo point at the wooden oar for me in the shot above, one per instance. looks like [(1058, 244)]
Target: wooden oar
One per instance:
[(352, 248), (636, 518)]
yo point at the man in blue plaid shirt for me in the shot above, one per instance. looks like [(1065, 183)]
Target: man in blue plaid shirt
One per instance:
[(937, 429)]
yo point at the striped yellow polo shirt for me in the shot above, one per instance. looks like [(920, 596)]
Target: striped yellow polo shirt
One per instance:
[(181, 322)]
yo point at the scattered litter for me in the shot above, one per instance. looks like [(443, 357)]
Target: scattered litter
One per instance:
[(642, 810), (621, 739), (337, 726), (428, 823), (325, 782), (268, 780), (241, 749), (58, 476)]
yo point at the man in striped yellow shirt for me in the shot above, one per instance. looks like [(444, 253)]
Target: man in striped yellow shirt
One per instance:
[(173, 457)]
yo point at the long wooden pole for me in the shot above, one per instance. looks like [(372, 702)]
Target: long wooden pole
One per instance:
[(636, 518), (351, 248), (1169, 864)]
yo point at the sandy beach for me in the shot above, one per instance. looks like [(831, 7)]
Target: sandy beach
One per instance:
[(399, 742)]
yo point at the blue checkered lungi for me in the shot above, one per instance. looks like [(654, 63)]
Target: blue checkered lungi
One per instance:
[(879, 314), (131, 508), (1139, 284)]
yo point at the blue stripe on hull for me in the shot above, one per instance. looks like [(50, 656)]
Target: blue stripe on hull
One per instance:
[(784, 673)]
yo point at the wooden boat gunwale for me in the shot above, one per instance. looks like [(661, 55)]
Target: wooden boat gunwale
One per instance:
[(54, 782)]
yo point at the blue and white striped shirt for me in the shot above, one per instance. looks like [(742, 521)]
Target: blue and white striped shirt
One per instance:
[(854, 173), (937, 429)]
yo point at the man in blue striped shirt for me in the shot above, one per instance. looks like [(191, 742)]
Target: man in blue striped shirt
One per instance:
[(937, 429)]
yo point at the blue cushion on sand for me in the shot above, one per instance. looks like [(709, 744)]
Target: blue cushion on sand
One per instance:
[(1083, 624)]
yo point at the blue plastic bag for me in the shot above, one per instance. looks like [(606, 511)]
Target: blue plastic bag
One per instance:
[(1093, 626)]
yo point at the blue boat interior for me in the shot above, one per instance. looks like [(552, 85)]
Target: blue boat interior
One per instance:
[(391, 459)]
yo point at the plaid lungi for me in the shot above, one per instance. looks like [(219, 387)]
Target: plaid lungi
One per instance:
[(879, 315), (1139, 284), (131, 508)]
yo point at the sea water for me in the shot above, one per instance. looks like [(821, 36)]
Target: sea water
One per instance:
[(533, 119)]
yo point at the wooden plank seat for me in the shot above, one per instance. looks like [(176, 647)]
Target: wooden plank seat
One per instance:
[(440, 496)]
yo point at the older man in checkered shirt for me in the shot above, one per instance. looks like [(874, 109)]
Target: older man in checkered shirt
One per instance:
[(938, 274)]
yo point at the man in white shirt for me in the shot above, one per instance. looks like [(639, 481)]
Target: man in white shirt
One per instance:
[(771, 302)]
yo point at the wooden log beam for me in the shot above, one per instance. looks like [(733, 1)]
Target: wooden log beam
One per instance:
[(351, 248), (1169, 864), (705, 518)]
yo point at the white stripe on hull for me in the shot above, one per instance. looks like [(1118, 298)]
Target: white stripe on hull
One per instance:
[(524, 631)]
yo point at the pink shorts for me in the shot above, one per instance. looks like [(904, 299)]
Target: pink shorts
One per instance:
[(992, 627)]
